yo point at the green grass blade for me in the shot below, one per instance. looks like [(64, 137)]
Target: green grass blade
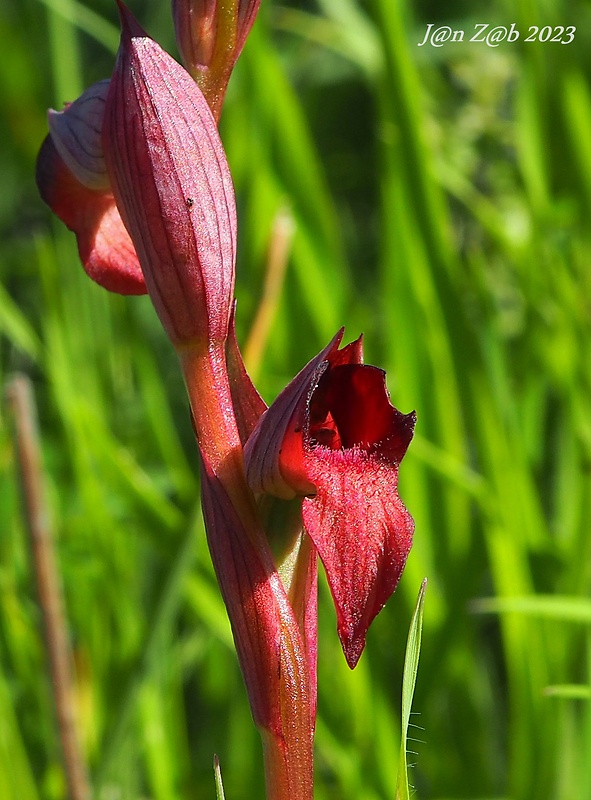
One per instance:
[(219, 786), (162, 618), (569, 691), (16, 328), (560, 607), (86, 20), (411, 666)]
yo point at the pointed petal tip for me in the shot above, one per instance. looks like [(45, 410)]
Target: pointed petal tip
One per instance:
[(406, 431), (353, 647), (338, 338), (353, 642), (130, 27)]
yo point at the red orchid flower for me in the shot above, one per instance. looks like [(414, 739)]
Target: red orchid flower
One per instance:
[(72, 179), (71, 173), (333, 436), (173, 188), (210, 35), (109, 155)]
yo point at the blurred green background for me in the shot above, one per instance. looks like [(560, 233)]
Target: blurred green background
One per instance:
[(441, 202)]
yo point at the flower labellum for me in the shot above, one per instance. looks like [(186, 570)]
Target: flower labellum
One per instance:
[(333, 437), (72, 179), (173, 188)]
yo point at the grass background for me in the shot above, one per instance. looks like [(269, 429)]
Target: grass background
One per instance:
[(441, 204)]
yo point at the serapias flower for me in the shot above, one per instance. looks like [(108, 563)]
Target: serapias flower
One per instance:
[(210, 35), (72, 179), (333, 437), (144, 148), (173, 188)]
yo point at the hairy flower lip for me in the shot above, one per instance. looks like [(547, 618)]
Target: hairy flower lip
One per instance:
[(363, 535), (349, 407)]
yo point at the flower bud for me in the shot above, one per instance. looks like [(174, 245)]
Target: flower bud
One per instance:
[(173, 188), (210, 35)]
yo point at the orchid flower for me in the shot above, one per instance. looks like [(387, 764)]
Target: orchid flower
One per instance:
[(72, 179), (173, 188), (333, 438), (210, 35), (71, 172)]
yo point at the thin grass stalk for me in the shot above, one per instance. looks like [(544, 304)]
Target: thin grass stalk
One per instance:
[(278, 255), (59, 657)]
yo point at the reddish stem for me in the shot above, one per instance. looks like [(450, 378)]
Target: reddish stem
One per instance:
[(288, 745)]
